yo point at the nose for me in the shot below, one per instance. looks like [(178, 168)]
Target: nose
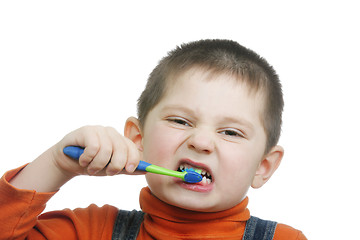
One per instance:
[(202, 141)]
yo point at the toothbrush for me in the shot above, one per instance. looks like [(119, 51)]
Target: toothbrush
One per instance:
[(189, 175)]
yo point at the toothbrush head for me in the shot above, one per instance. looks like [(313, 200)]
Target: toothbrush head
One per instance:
[(192, 176)]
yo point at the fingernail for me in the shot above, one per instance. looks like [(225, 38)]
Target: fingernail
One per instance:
[(130, 168)]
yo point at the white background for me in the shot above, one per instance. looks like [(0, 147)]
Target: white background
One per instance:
[(66, 64)]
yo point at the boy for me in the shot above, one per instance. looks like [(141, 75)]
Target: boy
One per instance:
[(211, 105)]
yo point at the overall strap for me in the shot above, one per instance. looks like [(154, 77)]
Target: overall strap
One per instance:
[(258, 229), (127, 225)]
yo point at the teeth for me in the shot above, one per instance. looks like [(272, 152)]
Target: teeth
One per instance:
[(203, 181), (207, 179)]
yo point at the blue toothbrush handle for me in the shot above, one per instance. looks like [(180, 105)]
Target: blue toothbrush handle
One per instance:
[(75, 152), (188, 176)]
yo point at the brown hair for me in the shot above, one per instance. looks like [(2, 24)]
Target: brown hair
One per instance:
[(220, 56)]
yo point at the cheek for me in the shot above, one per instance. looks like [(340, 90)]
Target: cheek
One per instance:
[(238, 167), (159, 145)]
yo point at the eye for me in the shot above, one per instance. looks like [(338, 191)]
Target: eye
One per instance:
[(232, 133), (179, 121)]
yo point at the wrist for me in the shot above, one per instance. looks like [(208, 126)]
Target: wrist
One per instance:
[(41, 175)]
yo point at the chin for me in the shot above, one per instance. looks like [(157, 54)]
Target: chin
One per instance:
[(188, 200), (191, 205), (179, 194)]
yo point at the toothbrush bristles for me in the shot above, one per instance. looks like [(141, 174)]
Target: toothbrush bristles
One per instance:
[(192, 170)]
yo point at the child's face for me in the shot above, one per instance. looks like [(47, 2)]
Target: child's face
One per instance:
[(206, 122)]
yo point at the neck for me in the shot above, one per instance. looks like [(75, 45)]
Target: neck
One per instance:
[(163, 220)]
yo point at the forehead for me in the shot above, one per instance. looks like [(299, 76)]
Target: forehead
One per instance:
[(203, 75), (208, 90), (208, 73)]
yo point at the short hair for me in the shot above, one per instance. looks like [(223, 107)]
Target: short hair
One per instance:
[(220, 56)]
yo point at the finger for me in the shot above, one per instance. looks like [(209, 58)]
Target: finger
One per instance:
[(103, 156), (118, 158), (133, 157), (86, 137), (91, 150), (120, 152)]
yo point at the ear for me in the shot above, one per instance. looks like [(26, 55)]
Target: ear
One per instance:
[(267, 166), (132, 131)]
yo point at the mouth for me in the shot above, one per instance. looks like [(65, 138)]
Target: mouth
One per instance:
[(205, 172)]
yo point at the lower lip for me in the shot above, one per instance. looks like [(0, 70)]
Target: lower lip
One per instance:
[(195, 186)]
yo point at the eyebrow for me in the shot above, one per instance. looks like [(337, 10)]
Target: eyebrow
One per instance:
[(224, 120), (241, 121), (177, 107)]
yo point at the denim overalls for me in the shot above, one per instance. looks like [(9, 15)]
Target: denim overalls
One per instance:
[(128, 223)]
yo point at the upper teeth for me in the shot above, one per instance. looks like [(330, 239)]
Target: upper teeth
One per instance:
[(204, 173)]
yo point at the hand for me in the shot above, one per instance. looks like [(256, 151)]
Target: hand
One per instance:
[(106, 152)]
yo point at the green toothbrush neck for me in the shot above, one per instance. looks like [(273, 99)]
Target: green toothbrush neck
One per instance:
[(164, 171)]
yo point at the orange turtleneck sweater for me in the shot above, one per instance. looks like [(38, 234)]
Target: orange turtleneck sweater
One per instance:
[(20, 218), (163, 220)]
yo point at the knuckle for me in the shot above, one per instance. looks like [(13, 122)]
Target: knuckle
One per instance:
[(116, 166), (92, 149), (110, 129), (87, 128)]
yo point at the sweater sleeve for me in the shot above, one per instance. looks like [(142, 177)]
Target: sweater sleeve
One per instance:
[(285, 232), (20, 216)]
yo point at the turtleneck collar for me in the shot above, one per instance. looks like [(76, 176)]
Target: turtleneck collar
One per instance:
[(163, 220)]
